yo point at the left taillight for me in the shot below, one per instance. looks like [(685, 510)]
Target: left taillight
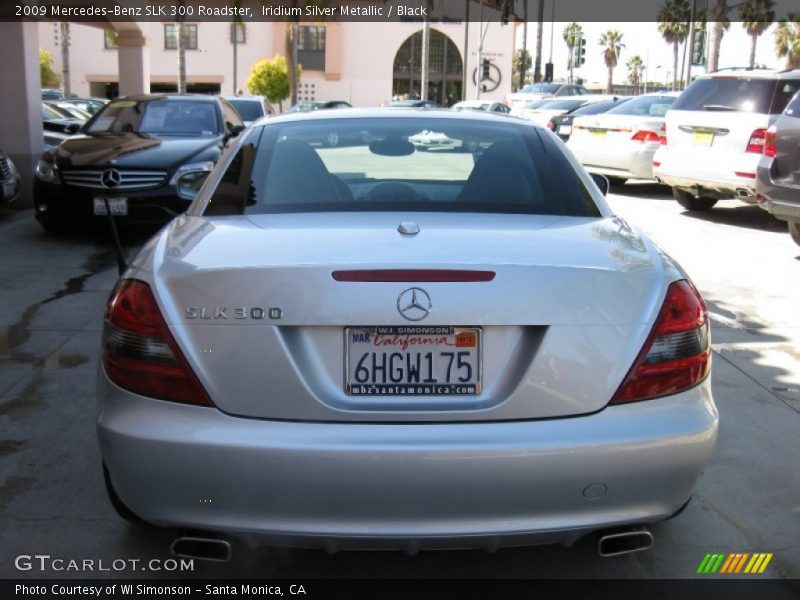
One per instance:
[(139, 352), (677, 353)]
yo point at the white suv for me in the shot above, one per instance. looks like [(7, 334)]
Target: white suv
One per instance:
[(715, 134)]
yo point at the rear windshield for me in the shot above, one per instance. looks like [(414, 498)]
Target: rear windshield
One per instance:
[(595, 108), (399, 164), (161, 116), (249, 110), (645, 106), (740, 94), (540, 88)]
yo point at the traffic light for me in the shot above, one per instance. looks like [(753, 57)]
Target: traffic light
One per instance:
[(699, 47), (485, 69), (548, 72), (506, 12), (579, 52)]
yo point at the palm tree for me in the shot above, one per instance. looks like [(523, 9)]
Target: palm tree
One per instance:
[(717, 14), (757, 15), (787, 41), (611, 43), (673, 24), (635, 67), (571, 34), (537, 65)]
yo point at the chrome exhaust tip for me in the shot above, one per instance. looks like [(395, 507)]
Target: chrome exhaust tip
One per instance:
[(202, 548), (619, 542)]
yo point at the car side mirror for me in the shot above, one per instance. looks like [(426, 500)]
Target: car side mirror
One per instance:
[(601, 181), (234, 130)]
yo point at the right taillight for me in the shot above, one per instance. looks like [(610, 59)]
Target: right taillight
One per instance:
[(677, 353), (770, 147), (139, 352)]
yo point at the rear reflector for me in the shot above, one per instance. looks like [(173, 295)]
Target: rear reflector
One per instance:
[(756, 143), (656, 163), (770, 145), (139, 352), (677, 353), (413, 275), (646, 136), (745, 174)]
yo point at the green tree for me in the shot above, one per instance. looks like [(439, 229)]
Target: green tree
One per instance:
[(522, 66), (673, 24), (571, 34), (611, 44), (46, 72), (269, 77), (757, 16), (635, 67), (787, 41)]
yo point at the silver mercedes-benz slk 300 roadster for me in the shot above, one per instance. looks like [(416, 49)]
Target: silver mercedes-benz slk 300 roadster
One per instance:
[(371, 345)]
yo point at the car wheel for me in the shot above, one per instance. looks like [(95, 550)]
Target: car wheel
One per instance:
[(616, 180), (794, 231), (332, 139), (688, 201), (119, 506)]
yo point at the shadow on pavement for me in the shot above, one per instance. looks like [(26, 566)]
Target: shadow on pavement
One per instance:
[(729, 213), (647, 190)]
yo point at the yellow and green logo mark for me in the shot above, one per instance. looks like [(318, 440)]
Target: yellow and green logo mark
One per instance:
[(736, 562)]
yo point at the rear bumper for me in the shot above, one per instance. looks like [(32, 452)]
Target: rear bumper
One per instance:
[(714, 177), (630, 160), (405, 485), (779, 198)]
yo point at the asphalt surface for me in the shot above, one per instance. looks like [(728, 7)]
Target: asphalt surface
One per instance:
[(52, 500)]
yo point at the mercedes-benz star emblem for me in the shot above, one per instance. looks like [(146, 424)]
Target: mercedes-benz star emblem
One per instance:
[(111, 178), (414, 304)]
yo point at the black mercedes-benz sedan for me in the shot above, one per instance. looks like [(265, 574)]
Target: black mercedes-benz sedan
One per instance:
[(142, 157)]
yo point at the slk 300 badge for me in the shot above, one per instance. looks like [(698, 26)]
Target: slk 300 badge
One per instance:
[(234, 312)]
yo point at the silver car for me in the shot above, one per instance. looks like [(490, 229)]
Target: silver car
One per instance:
[(368, 346), (778, 183)]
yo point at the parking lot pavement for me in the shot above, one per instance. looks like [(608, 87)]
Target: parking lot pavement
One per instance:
[(52, 501)]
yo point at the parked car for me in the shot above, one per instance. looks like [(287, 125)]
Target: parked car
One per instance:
[(483, 105), (778, 182), (561, 125), (620, 143), (716, 132), (55, 120), (538, 91), (69, 111), (9, 180), (308, 106), (543, 111), (146, 155), (250, 108), (403, 349), (413, 104), (89, 105), (52, 94)]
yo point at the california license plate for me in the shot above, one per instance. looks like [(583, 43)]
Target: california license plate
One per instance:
[(118, 206), (412, 361), (702, 138), (599, 132)]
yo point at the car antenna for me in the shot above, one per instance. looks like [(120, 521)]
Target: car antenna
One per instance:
[(122, 266)]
